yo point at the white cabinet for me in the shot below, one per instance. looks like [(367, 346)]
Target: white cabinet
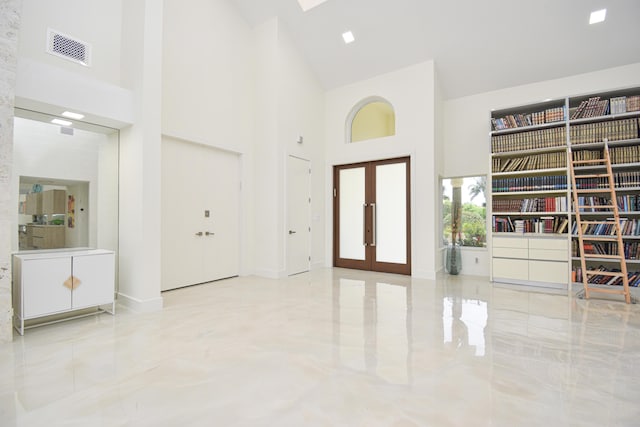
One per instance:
[(536, 260), (56, 282)]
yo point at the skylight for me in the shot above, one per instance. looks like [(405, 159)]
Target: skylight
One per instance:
[(309, 4), (597, 16)]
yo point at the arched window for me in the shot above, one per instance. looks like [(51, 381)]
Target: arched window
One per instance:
[(373, 117)]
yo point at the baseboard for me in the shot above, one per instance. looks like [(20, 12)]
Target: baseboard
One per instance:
[(138, 305), (424, 274), (318, 265), (270, 274)]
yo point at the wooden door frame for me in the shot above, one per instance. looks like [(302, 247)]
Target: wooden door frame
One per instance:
[(369, 263)]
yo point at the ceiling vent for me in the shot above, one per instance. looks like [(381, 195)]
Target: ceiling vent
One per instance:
[(75, 50)]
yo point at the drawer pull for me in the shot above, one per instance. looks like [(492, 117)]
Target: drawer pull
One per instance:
[(72, 283)]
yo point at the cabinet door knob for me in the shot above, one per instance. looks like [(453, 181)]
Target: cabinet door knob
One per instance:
[(72, 283)]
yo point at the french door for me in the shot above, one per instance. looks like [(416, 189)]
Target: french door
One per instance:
[(372, 216)]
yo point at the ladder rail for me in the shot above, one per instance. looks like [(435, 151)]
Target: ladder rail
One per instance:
[(617, 236)]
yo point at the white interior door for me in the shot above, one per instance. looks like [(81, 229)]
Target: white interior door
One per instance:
[(220, 211), (200, 211), (298, 215)]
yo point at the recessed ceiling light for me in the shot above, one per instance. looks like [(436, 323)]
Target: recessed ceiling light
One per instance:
[(597, 16), (348, 37), (72, 115), (309, 4), (61, 122)]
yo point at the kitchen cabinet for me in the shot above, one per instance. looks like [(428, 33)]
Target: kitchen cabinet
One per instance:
[(46, 236), (46, 203)]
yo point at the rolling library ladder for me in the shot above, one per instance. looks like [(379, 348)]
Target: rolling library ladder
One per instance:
[(585, 181)]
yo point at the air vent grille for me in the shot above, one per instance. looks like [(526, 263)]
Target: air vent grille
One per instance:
[(68, 47)]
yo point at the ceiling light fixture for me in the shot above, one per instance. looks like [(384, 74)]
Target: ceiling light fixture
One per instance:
[(597, 16), (309, 4), (348, 37), (72, 115), (61, 122)]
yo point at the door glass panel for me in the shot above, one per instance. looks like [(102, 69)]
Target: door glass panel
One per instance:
[(391, 213), (352, 213)]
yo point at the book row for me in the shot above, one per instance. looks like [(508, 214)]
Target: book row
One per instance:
[(532, 162), (531, 140), (614, 130), (624, 104), (622, 180), (530, 183), (628, 227), (542, 225), (626, 203), (540, 204), (618, 155), (601, 279), (511, 121), (631, 249), (592, 107)]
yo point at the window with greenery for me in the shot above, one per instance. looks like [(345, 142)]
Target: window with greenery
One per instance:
[(464, 211)]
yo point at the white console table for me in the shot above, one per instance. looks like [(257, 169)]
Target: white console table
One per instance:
[(47, 283)]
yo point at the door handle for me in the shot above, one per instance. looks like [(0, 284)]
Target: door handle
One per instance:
[(375, 223), (364, 224), (199, 233), (292, 232), (209, 233)]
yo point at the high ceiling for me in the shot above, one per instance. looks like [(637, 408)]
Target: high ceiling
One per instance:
[(477, 45)]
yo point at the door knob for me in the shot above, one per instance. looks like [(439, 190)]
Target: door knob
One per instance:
[(209, 233), (199, 233), (292, 232)]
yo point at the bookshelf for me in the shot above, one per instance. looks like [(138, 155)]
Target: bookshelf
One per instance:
[(532, 223), (620, 127)]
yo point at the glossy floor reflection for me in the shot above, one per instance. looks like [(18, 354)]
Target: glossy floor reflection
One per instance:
[(333, 348)]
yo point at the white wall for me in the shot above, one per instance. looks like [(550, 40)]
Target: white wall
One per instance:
[(411, 91), (78, 236), (50, 84), (301, 113), (289, 103), (207, 74), (266, 243), (97, 22), (139, 250), (466, 141)]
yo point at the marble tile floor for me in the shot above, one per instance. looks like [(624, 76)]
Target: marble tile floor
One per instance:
[(333, 347)]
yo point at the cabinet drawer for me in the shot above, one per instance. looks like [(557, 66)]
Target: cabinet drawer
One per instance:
[(548, 271), (553, 244), (38, 242), (510, 242), (512, 268), (510, 253), (38, 231), (549, 254)]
